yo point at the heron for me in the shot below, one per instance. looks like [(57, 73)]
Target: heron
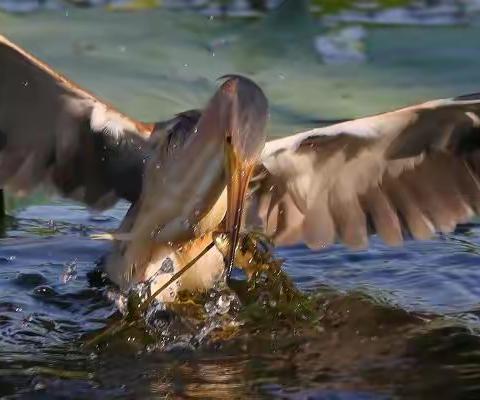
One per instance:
[(406, 173)]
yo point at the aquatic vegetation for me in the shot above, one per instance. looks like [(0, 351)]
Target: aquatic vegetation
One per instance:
[(268, 295)]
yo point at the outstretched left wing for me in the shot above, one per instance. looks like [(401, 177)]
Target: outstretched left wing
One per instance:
[(52, 131)]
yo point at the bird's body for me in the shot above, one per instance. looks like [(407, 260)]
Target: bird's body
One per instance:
[(160, 227), (202, 276), (188, 169), (156, 262), (405, 173)]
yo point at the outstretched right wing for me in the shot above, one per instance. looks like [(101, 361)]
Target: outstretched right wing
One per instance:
[(408, 172)]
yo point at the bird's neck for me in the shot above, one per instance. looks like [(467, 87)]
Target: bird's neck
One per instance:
[(205, 179), (181, 188)]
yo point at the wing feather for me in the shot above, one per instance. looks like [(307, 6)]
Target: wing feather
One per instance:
[(53, 131), (409, 172)]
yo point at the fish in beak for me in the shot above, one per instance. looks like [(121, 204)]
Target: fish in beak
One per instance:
[(244, 141)]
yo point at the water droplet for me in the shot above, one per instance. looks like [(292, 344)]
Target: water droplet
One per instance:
[(29, 318), (158, 317), (196, 230), (40, 385), (69, 272), (44, 291), (209, 306), (121, 303), (224, 304), (220, 305), (151, 348), (206, 330), (167, 266)]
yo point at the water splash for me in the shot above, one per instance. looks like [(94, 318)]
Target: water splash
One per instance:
[(221, 302), (69, 272)]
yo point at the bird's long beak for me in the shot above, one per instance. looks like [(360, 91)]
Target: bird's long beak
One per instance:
[(242, 109), (239, 173)]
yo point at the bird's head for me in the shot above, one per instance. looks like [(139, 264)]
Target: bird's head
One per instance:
[(240, 110)]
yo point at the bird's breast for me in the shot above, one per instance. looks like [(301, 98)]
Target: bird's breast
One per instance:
[(168, 259)]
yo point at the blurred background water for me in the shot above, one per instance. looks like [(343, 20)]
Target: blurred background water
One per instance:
[(389, 323)]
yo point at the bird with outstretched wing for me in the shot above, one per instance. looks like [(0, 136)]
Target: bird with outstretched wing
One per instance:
[(405, 173)]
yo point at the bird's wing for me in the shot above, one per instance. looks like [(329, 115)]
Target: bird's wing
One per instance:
[(53, 131), (413, 171)]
